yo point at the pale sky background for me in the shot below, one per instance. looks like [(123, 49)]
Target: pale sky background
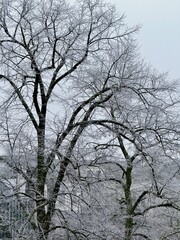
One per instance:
[(159, 37)]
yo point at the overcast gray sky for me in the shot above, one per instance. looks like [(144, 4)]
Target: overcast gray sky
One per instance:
[(159, 36)]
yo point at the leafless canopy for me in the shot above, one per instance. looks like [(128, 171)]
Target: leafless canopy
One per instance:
[(77, 98)]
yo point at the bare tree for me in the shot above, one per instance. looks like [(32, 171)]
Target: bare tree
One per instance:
[(138, 154), (45, 47)]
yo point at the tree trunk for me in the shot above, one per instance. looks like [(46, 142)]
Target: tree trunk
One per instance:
[(129, 208), (43, 224)]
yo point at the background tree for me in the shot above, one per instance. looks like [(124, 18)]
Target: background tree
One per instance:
[(135, 146)]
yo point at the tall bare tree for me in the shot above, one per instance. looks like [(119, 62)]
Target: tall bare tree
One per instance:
[(45, 46)]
